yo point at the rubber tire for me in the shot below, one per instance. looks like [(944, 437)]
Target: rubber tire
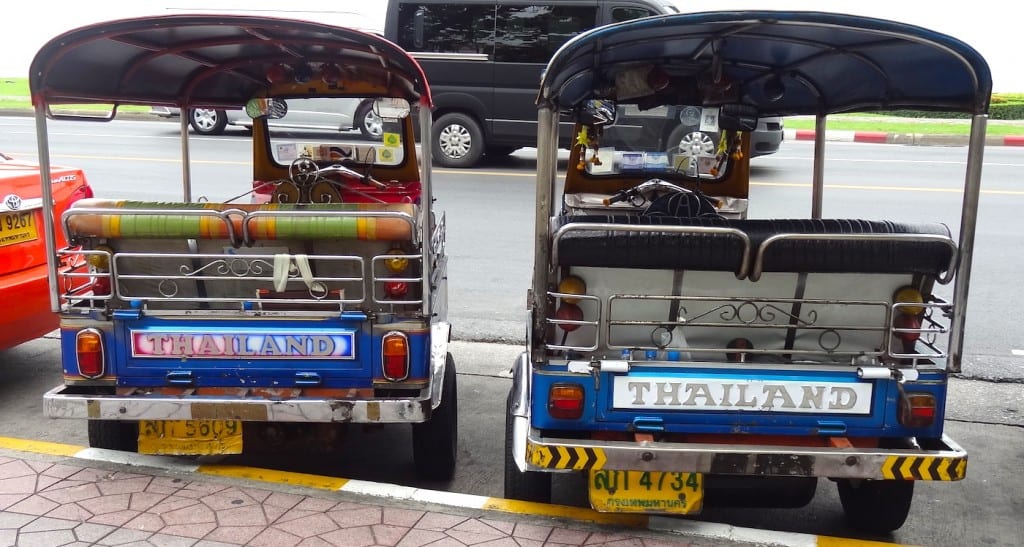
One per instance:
[(220, 121), (363, 111), (435, 442), (114, 435), (520, 485), (465, 126), (875, 506)]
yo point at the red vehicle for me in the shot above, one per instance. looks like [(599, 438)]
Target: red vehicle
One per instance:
[(23, 248)]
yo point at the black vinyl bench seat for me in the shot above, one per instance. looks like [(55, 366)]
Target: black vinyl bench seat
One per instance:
[(750, 247)]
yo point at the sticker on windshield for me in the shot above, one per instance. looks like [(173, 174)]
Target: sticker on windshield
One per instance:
[(392, 139), (709, 120), (689, 115)]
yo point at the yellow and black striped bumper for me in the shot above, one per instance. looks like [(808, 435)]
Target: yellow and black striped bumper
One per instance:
[(947, 462)]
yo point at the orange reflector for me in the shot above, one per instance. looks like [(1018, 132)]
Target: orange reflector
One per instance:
[(89, 351), (399, 263), (565, 401), (395, 356), (572, 284), (917, 409)]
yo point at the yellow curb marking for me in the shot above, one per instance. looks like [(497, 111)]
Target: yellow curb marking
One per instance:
[(319, 482), (39, 447), (829, 541), (564, 511)]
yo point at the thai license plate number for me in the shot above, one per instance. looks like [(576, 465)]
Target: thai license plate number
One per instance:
[(17, 227), (646, 492), (190, 437)]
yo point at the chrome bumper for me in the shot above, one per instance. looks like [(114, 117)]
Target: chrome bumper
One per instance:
[(59, 403), (947, 462)]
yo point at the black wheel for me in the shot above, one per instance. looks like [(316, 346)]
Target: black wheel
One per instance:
[(458, 140), (522, 485), (435, 441), (368, 123), (205, 121), (875, 506), (114, 435)]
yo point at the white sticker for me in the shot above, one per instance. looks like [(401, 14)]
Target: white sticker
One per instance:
[(709, 120)]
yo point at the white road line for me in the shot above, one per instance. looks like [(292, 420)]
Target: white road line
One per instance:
[(1017, 352)]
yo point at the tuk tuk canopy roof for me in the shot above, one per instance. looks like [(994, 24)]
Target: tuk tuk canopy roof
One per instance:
[(781, 62), (213, 61)]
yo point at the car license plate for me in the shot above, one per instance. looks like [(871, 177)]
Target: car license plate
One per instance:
[(190, 437), (17, 227), (646, 492)]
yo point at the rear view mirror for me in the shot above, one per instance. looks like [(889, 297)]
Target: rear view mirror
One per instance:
[(737, 117), (597, 112), (274, 109), (390, 107)]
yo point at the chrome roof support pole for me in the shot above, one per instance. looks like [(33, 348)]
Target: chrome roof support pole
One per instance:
[(426, 201), (49, 231), (547, 163), (968, 225), (818, 178), (186, 166)]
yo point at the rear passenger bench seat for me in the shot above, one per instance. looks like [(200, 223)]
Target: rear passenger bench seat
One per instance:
[(750, 247), (153, 237)]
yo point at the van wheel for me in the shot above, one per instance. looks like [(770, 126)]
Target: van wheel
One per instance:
[(114, 435), (522, 485), (435, 441), (691, 142), (458, 140), (205, 121), (368, 123), (875, 506)]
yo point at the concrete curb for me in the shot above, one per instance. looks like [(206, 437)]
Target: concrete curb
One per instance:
[(384, 491)]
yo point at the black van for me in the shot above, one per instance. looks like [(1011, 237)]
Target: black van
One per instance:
[(484, 59)]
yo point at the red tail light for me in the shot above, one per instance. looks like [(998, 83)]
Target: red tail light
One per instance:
[(89, 350), (565, 401), (917, 409), (395, 356), (396, 289), (82, 192)]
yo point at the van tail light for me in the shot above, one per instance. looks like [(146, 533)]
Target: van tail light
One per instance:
[(89, 351), (565, 401), (82, 192), (395, 356), (917, 409)]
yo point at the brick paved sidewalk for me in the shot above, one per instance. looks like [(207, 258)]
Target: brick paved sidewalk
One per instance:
[(53, 500)]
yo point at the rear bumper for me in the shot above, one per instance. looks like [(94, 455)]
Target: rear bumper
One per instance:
[(946, 461), (64, 402)]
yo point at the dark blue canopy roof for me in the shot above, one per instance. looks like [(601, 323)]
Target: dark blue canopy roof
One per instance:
[(782, 62), (208, 60)]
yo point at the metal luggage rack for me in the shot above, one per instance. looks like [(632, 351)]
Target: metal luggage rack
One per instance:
[(235, 282), (785, 315)]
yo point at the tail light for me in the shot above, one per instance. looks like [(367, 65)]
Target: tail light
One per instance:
[(395, 356), (917, 409), (82, 192), (397, 264), (565, 401), (396, 289), (572, 284), (89, 352)]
